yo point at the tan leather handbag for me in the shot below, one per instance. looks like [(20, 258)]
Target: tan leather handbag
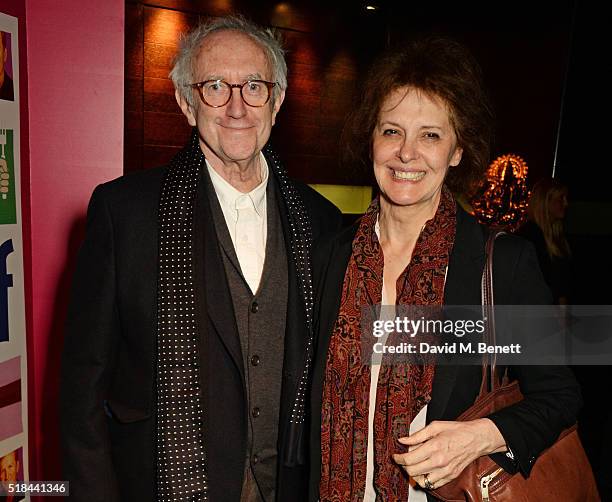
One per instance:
[(562, 473)]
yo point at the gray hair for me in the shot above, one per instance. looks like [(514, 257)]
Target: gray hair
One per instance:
[(182, 70)]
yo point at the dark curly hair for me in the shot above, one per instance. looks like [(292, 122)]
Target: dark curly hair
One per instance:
[(438, 67)]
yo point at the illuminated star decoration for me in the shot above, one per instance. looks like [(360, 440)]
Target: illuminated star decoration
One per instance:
[(501, 201)]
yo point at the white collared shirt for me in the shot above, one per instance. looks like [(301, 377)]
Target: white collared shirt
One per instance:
[(245, 216)]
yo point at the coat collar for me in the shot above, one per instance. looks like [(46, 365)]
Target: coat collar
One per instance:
[(210, 273)]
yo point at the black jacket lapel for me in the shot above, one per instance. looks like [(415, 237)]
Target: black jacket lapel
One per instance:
[(465, 267), (330, 262), (330, 267), (210, 273)]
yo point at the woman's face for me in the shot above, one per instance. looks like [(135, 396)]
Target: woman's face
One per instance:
[(557, 205), (413, 146)]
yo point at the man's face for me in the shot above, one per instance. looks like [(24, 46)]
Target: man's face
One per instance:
[(236, 132), (9, 466)]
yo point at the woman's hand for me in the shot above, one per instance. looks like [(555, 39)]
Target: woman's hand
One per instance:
[(441, 450)]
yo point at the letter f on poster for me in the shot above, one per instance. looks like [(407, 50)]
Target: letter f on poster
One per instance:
[(6, 281)]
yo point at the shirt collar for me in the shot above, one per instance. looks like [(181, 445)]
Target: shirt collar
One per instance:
[(229, 197)]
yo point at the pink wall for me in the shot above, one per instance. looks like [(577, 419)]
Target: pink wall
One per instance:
[(75, 92), (17, 9)]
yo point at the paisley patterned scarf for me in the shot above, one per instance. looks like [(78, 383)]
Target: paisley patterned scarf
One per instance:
[(403, 389)]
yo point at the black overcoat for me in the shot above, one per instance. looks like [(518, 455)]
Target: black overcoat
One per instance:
[(552, 396), (109, 362)]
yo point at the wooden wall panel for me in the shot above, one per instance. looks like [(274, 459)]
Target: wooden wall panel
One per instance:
[(209, 7), (304, 81), (134, 68), (158, 155), (158, 60), (159, 96), (322, 70), (168, 129), (133, 94), (165, 129), (134, 40), (329, 46), (163, 25)]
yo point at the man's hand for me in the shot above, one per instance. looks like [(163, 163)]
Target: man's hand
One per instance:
[(440, 451)]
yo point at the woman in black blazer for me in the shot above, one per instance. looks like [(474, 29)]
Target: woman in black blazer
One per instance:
[(425, 125)]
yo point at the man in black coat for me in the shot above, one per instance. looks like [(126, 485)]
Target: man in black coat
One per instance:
[(189, 335)]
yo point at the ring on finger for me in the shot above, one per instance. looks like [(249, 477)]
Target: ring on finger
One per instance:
[(428, 484)]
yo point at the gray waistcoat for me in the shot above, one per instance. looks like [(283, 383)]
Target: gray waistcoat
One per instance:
[(260, 320)]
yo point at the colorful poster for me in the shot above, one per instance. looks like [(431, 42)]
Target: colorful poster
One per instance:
[(10, 398), (8, 210), (13, 359), (11, 471), (7, 87)]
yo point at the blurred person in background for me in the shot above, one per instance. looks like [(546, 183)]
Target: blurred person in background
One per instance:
[(545, 228)]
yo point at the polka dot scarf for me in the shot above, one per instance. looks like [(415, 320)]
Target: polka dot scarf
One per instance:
[(181, 424)]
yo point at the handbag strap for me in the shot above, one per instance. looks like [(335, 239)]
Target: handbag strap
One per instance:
[(490, 379)]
